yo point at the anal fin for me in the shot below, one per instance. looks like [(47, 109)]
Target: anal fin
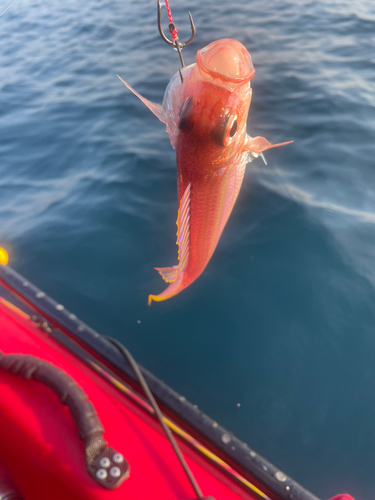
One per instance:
[(169, 274)]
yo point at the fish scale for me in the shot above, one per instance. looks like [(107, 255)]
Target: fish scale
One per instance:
[(211, 204)]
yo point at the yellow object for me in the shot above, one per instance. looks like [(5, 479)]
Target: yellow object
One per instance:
[(14, 308), (3, 257)]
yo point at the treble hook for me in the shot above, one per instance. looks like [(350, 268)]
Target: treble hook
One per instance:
[(176, 44)]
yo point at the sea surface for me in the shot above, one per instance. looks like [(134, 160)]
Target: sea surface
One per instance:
[(276, 340)]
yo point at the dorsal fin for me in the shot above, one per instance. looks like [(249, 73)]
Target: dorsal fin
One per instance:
[(169, 274), (183, 229), (259, 144), (152, 106), (175, 274)]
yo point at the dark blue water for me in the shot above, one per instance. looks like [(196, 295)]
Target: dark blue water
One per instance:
[(283, 319)]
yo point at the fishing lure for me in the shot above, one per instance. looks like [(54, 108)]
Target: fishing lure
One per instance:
[(205, 108)]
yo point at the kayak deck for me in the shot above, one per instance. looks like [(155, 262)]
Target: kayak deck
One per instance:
[(34, 423)]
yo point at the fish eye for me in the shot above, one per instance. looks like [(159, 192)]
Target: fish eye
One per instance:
[(230, 129), (225, 130), (184, 112), (233, 129)]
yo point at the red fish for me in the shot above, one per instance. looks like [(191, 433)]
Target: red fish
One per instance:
[(205, 111)]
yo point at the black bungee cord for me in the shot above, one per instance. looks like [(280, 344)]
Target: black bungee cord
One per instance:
[(135, 367)]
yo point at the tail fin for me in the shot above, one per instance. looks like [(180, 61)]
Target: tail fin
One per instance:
[(173, 289)]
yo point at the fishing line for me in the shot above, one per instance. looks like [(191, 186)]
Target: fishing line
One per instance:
[(172, 30), (7, 7)]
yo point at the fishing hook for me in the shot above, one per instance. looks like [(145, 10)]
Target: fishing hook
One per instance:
[(176, 44)]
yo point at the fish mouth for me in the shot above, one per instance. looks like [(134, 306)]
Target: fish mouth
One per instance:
[(226, 59)]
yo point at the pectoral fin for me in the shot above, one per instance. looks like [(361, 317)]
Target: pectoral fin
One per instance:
[(152, 106), (259, 144)]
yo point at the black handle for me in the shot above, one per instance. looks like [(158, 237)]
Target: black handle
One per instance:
[(90, 429)]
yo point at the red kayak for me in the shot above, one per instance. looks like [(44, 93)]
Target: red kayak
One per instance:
[(76, 424)]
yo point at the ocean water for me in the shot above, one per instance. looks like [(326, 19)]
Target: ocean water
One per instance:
[(276, 340)]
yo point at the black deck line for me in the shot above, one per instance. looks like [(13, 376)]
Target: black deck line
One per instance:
[(222, 441)]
